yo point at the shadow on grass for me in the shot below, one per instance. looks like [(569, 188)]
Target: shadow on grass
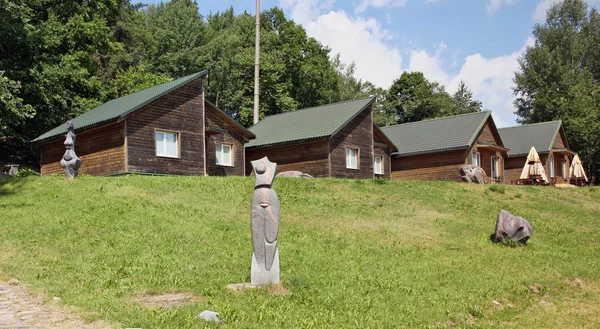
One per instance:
[(10, 185)]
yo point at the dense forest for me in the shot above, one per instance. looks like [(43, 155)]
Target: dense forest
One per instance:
[(59, 59)]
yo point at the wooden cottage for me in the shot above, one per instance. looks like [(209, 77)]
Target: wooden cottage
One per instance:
[(550, 142), (165, 129), (435, 149), (335, 140)]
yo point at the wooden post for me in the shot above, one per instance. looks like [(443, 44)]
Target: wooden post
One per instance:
[(256, 62)]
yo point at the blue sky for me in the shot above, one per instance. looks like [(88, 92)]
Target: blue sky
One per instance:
[(477, 41)]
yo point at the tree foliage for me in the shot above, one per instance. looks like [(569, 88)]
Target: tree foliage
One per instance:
[(414, 98), (559, 77)]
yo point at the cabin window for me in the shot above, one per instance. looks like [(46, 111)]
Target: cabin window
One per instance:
[(552, 174), (495, 166), (564, 169), (166, 144), (476, 160), (351, 158), (378, 165), (223, 154)]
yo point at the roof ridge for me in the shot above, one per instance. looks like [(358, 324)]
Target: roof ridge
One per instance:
[(311, 108), (437, 119), (532, 124)]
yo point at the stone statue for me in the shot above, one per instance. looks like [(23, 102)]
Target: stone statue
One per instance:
[(472, 174), (513, 227), (70, 162), (265, 225)]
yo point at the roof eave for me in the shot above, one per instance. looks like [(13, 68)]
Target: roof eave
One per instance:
[(396, 155), (254, 147)]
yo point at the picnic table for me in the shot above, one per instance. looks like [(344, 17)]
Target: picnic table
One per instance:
[(532, 180)]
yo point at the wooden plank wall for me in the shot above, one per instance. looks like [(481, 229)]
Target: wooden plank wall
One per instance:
[(308, 157), (101, 150), (433, 166), (233, 138), (182, 111), (356, 134), (385, 153)]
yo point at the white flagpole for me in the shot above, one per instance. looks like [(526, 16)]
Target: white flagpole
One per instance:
[(257, 63)]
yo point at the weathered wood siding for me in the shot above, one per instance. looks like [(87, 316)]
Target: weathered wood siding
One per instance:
[(384, 152), (101, 150), (512, 168), (181, 111), (433, 166), (232, 138), (486, 135), (308, 157), (358, 134)]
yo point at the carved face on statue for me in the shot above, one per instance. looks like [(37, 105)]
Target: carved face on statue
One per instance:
[(70, 162)]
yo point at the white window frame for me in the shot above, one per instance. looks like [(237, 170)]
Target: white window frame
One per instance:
[(164, 141), (552, 171), (564, 169), (476, 159), (356, 155), (375, 169), (495, 171), (222, 146)]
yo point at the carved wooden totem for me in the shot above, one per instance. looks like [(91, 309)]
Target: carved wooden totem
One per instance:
[(70, 162), (265, 225)]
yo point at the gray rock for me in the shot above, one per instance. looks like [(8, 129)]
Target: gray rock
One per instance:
[(208, 316), (473, 174), (70, 162), (264, 220), (513, 227), (294, 173)]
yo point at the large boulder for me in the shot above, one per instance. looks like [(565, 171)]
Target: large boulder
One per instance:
[(473, 174), (294, 173), (513, 227)]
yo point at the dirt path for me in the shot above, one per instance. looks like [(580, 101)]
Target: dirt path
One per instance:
[(20, 310)]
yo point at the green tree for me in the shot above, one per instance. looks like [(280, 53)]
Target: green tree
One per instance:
[(559, 76), (415, 98), (137, 78), (463, 101)]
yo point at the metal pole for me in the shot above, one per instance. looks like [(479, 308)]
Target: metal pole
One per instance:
[(257, 63)]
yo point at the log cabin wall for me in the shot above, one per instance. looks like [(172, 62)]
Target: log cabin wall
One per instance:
[(486, 135), (383, 150), (232, 137), (358, 134), (513, 167), (101, 150), (181, 111), (432, 166), (308, 157)]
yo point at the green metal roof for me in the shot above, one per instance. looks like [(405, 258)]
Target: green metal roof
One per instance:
[(310, 123), (120, 107), (520, 139), (436, 135)]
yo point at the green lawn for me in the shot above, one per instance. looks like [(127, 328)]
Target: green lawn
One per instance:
[(353, 253)]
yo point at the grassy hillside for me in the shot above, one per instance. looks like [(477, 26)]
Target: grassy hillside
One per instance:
[(353, 253)]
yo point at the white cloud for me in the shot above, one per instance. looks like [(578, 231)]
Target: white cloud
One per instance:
[(494, 5), (356, 39), (365, 42), (539, 15), (490, 79), (364, 4)]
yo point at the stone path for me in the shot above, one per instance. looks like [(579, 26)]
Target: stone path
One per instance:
[(19, 310)]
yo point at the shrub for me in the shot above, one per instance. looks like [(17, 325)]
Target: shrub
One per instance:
[(27, 172), (498, 188)]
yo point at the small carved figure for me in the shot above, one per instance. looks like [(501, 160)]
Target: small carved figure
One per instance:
[(265, 225), (70, 162), (513, 227)]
